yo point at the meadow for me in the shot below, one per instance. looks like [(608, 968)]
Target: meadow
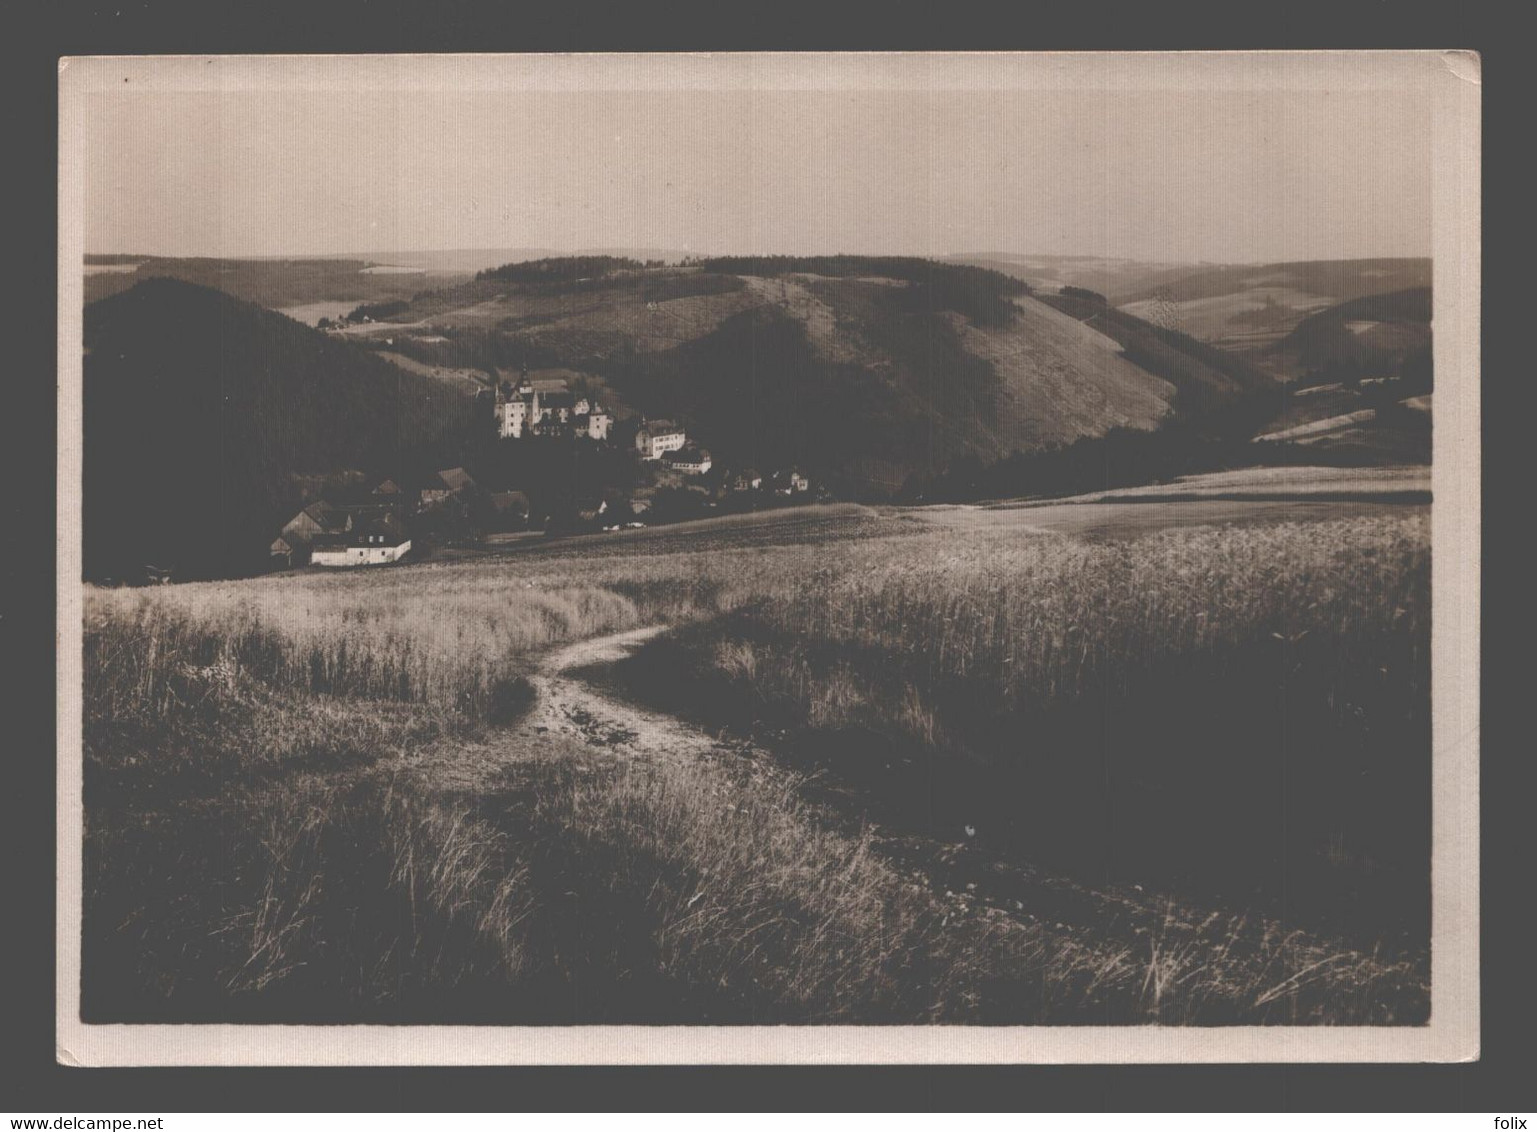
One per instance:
[(1241, 711), (308, 796)]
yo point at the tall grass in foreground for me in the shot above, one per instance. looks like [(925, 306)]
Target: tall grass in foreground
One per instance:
[(582, 891), (1244, 705), (261, 846), (1043, 618), (443, 637)]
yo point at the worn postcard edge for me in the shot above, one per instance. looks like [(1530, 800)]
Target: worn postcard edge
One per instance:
[(1452, 77)]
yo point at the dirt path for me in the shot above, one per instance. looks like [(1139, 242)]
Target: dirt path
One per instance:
[(567, 705), (965, 873), (570, 706)]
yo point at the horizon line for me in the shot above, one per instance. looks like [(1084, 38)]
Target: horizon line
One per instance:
[(675, 255)]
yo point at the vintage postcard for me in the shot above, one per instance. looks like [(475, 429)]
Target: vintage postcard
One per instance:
[(750, 558)]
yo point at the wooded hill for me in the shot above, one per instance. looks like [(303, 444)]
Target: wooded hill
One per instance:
[(864, 370), (210, 420), (203, 415)]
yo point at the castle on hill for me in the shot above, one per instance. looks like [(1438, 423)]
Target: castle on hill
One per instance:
[(548, 408)]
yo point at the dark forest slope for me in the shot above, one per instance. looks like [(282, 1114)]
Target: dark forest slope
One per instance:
[(201, 411)]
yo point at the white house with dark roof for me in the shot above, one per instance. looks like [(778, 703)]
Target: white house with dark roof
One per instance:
[(656, 438), (376, 542), (690, 461)]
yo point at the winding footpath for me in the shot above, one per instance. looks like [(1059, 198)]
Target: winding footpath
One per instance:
[(567, 705)]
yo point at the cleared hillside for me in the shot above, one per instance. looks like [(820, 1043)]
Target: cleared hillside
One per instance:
[(1252, 307), (1107, 275), (864, 370), (1372, 336)]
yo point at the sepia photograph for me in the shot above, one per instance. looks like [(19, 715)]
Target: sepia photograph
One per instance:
[(768, 557)]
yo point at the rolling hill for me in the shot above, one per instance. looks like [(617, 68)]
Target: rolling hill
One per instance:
[(278, 284), (203, 415), (1253, 307), (1109, 276), (209, 419), (1371, 336), (865, 370)]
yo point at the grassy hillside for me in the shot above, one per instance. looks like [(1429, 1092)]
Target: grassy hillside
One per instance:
[(201, 411), (1343, 278), (1204, 376), (1252, 307), (1108, 276), (1217, 737), (1372, 336), (864, 369)]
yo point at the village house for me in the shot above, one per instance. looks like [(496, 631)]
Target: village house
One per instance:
[(443, 484), (689, 461), (318, 518), (747, 479), (656, 438), (510, 508), (457, 479), (284, 552), (373, 542), (325, 519), (791, 482), (292, 546)]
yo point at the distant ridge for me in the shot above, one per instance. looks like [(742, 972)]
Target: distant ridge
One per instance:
[(865, 369)]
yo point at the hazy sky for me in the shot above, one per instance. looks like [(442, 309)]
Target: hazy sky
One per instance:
[(1215, 175)]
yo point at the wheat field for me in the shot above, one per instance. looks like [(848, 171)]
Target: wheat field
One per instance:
[(299, 717)]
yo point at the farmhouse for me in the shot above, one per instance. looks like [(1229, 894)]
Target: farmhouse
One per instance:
[(689, 461), (656, 438), (283, 552), (457, 479), (791, 482), (510, 509), (747, 479), (292, 546), (327, 523), (318, 518), (373, 542), (441, 485)]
